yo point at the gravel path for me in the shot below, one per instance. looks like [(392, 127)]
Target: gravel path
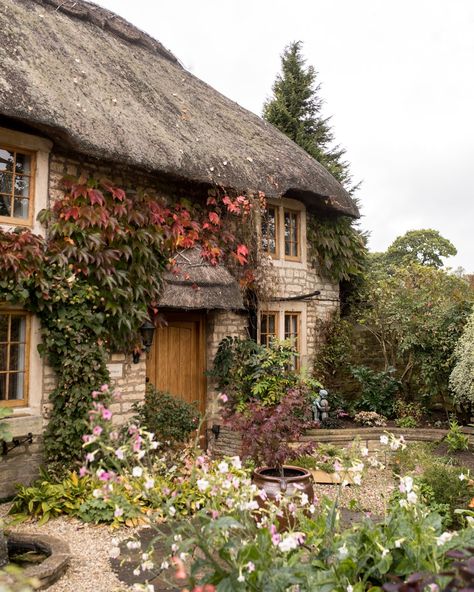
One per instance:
[(90, 569)]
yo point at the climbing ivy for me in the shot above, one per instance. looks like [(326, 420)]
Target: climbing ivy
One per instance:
[(337, 246), (96, 277)]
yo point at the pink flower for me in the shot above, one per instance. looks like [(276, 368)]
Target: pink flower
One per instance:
[(82, 471), (104, 388), (106, 414), (222, 397), (95, 394), (97, 431), (215, 514)]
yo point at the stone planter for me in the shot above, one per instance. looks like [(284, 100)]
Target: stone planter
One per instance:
[(294, 480)]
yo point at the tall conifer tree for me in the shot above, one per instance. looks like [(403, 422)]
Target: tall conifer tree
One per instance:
[(295, 109)]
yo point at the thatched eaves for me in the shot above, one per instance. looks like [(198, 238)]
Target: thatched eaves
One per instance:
[(199, 285), (97, 85)]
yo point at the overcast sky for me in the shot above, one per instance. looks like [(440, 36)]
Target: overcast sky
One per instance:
[(397, 78)]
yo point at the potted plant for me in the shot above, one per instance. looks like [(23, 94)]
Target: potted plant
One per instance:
[(270, 405), (269, 437)]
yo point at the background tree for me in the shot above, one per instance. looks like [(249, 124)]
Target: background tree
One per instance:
[(295, 109), (462, 377), (425, 246)]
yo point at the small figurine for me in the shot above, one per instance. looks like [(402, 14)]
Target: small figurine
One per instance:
[(320, 406)]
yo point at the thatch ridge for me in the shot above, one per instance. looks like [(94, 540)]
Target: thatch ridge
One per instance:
[(97, 85)]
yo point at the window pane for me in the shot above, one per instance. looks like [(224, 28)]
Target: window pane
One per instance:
[(6, 160), (5, 205), (3, 387), (3, 356), (3, 328), (15, 386), (23, 163), (269, 231), (17, 357), (22, 186), (6, 180), (21, 208), (291, 234), (268, 327), (18, 328)]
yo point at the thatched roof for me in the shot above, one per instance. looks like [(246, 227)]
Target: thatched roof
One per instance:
[(200, 285), (97, 85)]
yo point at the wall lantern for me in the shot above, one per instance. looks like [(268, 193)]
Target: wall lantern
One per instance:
[(147, 330)]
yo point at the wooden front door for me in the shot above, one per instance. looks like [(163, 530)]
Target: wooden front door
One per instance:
[(176, 362)]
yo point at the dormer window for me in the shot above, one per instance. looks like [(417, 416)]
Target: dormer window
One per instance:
[(282, 233), (17, 168)]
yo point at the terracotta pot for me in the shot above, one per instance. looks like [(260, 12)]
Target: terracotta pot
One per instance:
[(294, 480)]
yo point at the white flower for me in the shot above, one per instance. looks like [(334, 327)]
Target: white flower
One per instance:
[(385, 552), (114, 552), (290, 541), (462, 477), (203, 484), (241, 578), (131, 545), (118, 512), (403, 503), (137, 471), (119, 454), (365, 452), (357, 479), (398, 543), (406, 484), (223, 467), (250, 566), (236, 463), (149, 483), (172, 511), (97, 493), (444, 538), (164, 565), (384, 440), (349, 588), (343, 552), (412, 498), (304, 499)]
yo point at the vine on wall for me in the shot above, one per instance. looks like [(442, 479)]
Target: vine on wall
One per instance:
[(96, 278)]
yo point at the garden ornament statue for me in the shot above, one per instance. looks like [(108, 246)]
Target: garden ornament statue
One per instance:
[(320, 406)]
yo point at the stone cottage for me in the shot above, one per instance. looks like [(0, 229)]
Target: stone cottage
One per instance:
[(81, 89)]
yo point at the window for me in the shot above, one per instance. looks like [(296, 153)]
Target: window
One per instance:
[(17, 170), (268, 327), (269, 231), (14, 350), (281, 233), (292, 232), (284, 325)]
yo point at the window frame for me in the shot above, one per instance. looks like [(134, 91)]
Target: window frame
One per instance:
[(268, 313), (281, 209), (298, 234), (12, 220), (24, 402)]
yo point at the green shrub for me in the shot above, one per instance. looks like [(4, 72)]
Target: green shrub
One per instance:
[(455, 439), (461, 380), (406, 422), (408, 414), (45, 500), (378, 390), (171, 419), (247, 371)]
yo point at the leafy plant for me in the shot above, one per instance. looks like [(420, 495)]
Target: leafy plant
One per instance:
[(12, 579), (247, 371), (408, 414), (455, 439), (371, 419), (269, 430), (44, 500), (461, 381), (378, 390), (171, 419)]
